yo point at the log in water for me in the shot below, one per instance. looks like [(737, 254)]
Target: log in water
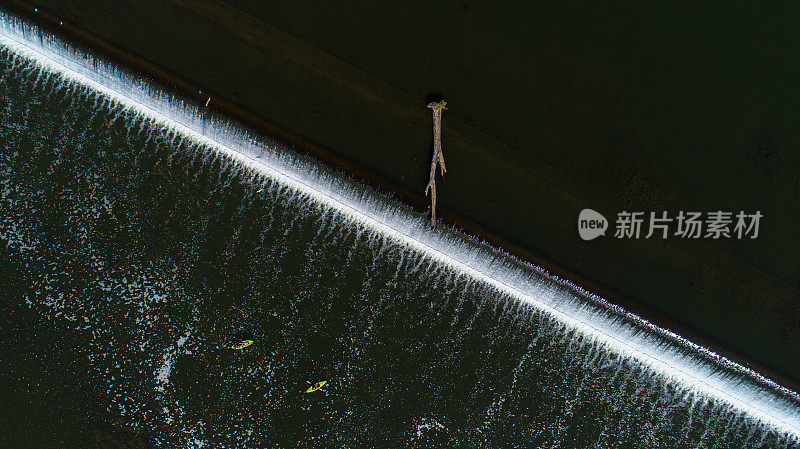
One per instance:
[(141, 239)]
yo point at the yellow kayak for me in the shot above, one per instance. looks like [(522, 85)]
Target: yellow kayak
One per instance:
[(316, 386), (242, 344)]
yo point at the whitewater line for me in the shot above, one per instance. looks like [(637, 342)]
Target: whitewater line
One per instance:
[(785, 420)]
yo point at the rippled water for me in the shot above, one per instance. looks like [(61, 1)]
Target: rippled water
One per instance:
[(134, 254)]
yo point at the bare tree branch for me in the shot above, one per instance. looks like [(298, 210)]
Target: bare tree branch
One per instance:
[(438, 157)]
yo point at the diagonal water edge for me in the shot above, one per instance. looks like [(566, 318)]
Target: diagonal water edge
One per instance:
[(665, 353)]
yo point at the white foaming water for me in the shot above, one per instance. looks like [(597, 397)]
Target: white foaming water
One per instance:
[(664, 353), (163, 373)]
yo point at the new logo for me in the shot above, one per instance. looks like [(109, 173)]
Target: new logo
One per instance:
[(591, 224)]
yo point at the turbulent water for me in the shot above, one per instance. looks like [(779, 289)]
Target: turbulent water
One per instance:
[(137, 244)]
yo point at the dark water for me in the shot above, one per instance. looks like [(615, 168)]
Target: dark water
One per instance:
[(132, 259)]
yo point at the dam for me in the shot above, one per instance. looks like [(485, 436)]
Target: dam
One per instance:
[(143, 235)]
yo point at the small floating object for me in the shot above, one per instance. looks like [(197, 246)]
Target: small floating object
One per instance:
[(242, 344), (316, 386)]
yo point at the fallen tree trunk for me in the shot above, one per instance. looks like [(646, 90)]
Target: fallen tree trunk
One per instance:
[(438, 157)]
